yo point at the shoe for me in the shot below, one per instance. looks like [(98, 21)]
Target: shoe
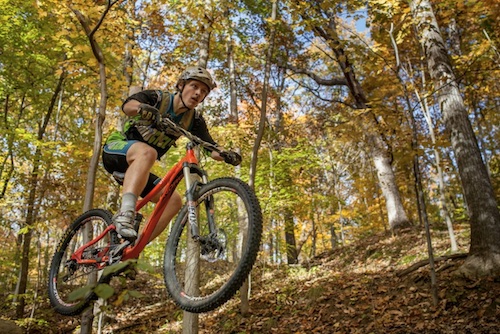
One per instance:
[(123, 221)]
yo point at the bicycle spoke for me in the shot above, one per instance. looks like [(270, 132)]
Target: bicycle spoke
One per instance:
[(204, 273), (66, 275)]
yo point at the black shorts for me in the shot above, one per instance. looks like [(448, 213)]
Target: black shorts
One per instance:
[(114, 159)]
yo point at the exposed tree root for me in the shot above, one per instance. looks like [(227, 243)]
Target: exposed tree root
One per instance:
[(476, 267), (425, 262)]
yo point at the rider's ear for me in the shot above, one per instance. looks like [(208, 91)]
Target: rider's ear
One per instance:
[(180, 85)]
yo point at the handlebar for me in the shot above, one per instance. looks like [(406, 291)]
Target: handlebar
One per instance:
[(168, 123)]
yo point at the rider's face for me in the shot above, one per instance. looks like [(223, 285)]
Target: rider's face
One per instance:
[(193, 93)]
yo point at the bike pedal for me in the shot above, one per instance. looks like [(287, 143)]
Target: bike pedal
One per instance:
[(116, 253)]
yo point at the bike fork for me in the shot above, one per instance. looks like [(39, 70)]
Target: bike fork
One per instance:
[(191, 204)]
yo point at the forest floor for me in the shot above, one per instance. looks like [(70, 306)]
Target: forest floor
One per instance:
[(364, 287)]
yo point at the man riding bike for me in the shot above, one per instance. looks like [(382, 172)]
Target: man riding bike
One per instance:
[(134, 150)]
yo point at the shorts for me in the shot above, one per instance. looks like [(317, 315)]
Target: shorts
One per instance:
[(114, 159)]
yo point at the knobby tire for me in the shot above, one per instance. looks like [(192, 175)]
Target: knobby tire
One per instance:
[(73, 238), (220, 278)]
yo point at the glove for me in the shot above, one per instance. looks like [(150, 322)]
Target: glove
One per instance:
[(150, 113), (231, 157)]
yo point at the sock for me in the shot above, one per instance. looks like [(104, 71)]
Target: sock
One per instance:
[(128, 202)]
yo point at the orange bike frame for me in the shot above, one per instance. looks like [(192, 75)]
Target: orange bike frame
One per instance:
[(168, 182)]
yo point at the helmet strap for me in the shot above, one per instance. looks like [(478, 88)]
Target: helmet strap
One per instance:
[(180, 95)]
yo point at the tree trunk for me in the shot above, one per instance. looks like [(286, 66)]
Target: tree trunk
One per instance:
[(263, 107), (383, 165), (484, 253), (234, 120), (30, 216), (443, 208), (437, 155), (422, 208), (381, 158), (88, 315), (333, 237), (244, 308), (7, 166), (314, 234), (233, 101), (291, 245), (190, 321)]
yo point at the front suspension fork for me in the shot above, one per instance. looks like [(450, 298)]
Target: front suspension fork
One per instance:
[(191, 186)]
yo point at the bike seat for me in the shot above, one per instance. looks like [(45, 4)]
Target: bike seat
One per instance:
[(119, 176)]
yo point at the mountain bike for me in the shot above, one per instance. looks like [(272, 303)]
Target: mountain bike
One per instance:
[(209, 252)]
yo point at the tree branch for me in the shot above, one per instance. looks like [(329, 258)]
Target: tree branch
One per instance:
[(101, 19), (319, 81)]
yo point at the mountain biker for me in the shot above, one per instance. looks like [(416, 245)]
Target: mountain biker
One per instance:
[(134, 150)]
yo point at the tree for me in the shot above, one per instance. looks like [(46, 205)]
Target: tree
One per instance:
[(31, 78), (326, 28), (484, 254), (402, 72), (33, 187), (85, 22)]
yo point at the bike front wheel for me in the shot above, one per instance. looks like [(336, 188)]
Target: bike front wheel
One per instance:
[(204, 273), (67, 276)]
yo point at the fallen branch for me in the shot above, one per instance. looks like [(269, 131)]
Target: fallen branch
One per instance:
[(426, 262)]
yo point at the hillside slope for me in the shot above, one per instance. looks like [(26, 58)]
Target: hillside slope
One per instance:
[(355, 289)]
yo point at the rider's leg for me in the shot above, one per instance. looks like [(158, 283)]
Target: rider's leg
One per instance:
[(173, 206), (141, 158)]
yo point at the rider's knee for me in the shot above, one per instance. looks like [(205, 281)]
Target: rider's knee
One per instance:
[(149, 153), (176, 200), (142, 152)]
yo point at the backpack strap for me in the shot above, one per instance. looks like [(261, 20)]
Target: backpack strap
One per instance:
[(187, 118), (165, 104)]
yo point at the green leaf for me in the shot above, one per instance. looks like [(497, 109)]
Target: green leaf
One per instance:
[(115, 268), (104, 291), (80, 293), (136, 294), (24, 230), (144, 265)]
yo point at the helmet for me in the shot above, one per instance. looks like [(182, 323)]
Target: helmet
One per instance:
[(197, 73)]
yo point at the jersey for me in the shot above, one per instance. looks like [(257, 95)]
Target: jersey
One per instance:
[(142, 130)]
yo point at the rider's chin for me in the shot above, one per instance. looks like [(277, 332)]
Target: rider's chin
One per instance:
[(194, 102)]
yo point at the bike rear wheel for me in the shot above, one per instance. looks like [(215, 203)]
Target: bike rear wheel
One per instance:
[(200, 276), (67, 276)]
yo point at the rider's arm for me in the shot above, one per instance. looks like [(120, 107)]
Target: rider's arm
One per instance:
[(131, 107), (200, 129), (216, 156)]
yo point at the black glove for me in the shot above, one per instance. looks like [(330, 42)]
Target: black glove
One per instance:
[(150, 113), (231, 157)]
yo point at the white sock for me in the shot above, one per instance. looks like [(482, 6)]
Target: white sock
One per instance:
[(128, 202)]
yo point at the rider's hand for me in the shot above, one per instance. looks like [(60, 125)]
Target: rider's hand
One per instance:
[(150, 113), (231, 157)]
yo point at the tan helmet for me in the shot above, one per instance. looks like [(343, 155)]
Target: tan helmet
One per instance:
[(197, 73)]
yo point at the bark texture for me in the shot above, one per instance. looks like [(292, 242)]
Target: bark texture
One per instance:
[(484, 254)]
